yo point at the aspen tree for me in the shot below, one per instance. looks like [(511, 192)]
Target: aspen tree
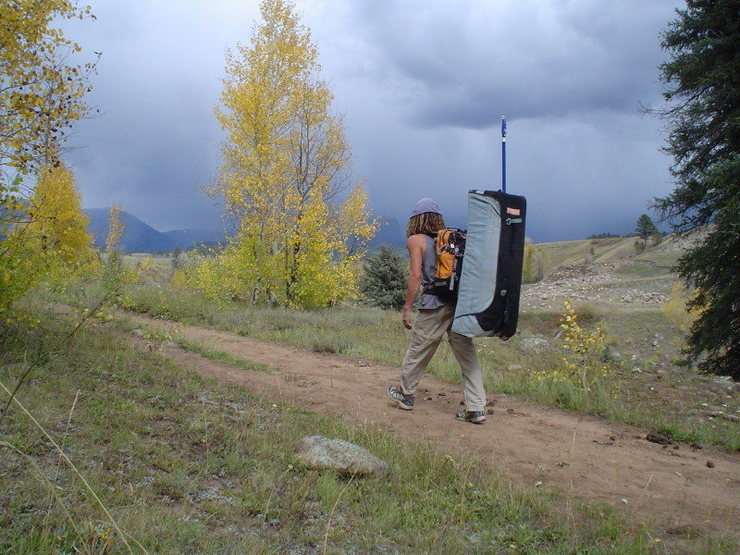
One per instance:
[(58, 226), (283, 176), (52, 244), (41, 95), (116, 227)]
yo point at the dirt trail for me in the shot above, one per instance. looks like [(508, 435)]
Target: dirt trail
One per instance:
[(579, 455)]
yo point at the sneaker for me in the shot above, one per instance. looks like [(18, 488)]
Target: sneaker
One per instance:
[(406, 402), (474, 416)]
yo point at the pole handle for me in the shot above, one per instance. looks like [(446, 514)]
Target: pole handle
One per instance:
[(503, 153)]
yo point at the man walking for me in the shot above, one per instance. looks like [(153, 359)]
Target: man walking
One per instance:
[(433, 320)]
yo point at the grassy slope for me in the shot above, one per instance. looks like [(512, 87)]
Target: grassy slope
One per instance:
[(187, 465), (562, 254)]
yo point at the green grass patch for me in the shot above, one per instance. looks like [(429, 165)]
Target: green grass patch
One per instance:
[(641, 268), (222, 356)]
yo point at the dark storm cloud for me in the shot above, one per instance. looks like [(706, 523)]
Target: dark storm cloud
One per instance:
[(154, 145), (569, 75), (152, 151), (422, 84), (468, 61)]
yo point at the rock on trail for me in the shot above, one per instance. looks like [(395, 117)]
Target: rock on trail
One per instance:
[(318, 452)]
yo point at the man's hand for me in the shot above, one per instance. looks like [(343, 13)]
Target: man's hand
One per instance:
[(406, 318)]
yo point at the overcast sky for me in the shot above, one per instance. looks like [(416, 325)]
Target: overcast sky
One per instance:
[(422, 85)]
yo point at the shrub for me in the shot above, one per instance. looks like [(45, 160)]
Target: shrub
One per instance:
[(384, 281), (145, 270), (585, 360), (178, 278), (534, 264), (675, 311)]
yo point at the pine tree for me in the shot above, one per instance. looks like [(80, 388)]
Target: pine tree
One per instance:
[(702, 79), (645, 227), (384, 281)]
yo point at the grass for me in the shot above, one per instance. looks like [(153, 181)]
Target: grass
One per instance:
[(562, 254), (222, 356), (162, 335), (185, 464), (645, 398), (646, 268)]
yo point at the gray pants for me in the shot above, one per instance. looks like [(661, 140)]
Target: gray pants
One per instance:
[(429, 328)]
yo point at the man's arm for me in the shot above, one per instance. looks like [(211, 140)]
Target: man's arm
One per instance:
[(415, 246)]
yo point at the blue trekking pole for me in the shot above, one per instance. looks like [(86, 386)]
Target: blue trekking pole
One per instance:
[(503, 153)]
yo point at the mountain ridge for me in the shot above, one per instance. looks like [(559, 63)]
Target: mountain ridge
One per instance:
[(138, 236)]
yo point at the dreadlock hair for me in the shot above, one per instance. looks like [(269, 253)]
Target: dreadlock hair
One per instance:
[(428, 222)]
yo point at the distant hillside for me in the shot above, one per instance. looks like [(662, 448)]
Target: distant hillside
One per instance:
[(190, 238), (141, 237), (615, 251), (137, 237)]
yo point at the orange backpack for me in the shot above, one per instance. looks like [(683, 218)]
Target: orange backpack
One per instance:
[(449, 245)]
